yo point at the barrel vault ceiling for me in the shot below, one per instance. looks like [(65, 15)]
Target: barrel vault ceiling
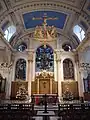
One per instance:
[(68, 12)]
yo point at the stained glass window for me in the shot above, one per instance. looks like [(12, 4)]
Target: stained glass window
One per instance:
[(87, 83), (44, 58), (20, 72), (68, 69)]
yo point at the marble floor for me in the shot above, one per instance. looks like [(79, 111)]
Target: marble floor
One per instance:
[(50, 115)]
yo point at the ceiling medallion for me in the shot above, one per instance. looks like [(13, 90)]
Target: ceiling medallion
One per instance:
[(45, 33)]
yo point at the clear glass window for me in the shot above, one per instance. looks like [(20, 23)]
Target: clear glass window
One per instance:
[(79, 32), (9, 32)]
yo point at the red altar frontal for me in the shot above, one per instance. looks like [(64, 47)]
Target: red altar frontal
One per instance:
[(50, 98)]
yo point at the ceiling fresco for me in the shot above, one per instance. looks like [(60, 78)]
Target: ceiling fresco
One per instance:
[(32, 19)]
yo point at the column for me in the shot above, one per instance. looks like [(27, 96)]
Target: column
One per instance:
[(55, 67), (58, 61), (33, 74), (29, 75), (59, 78), (28, 78), (80, 83)]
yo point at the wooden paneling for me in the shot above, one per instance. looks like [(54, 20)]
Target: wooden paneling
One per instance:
[(15, 86), (34, 87), (54, 87), (44, 86), (72, 87), (86, 96)]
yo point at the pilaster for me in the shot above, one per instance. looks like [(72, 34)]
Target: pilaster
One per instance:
[(58, 61)]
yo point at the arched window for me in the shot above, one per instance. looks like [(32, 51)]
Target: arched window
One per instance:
[(44, 58), (68, 69), (20, 71), (9, 32), (79, 32)]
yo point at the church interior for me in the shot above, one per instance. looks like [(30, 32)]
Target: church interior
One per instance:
[(44, 59)]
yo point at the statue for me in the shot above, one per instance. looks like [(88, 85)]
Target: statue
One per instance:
[(45, 32)]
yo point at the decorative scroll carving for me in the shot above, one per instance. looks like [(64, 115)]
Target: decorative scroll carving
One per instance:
[(44, 74)]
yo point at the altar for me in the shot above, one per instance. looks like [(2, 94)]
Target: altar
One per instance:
[(44, 84)]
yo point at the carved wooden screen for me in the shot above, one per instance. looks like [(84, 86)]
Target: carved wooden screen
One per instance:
[(68, 69)]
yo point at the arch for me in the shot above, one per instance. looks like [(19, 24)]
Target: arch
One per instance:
[(20, 69), (68, 69), (44, 58)]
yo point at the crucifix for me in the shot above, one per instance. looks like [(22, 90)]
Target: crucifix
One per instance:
[(46, 33), (45, 18)]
